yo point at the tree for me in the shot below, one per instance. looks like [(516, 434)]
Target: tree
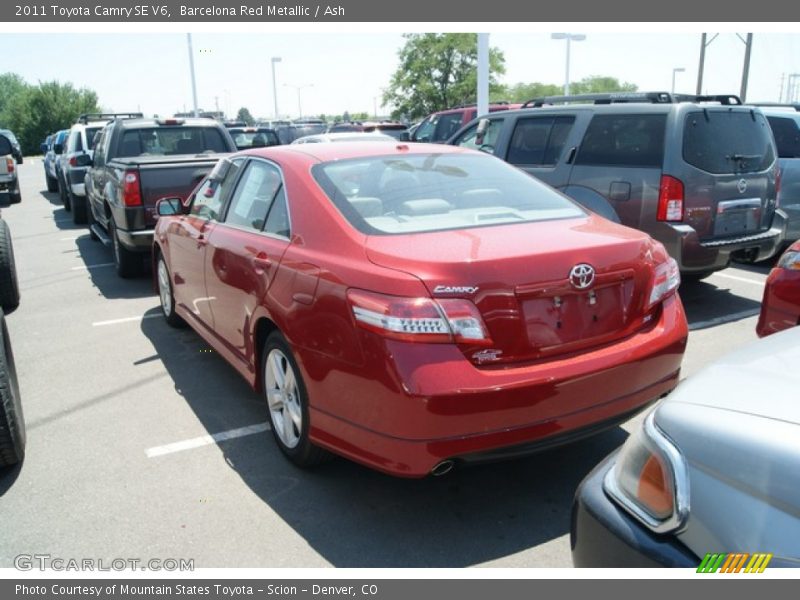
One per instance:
[(598, 84), (522, 92), (244, 115), (11, 85), (438, 71)]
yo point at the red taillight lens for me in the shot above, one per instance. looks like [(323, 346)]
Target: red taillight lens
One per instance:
[(670, 199), (131, 191), (73, 161), (419, 319), (10, 165)]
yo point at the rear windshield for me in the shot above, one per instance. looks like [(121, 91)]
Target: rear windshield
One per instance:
[(727, 141), (434, 192), (346, 127), (787, 136), (254, 139), (624, 140), (171, 140)]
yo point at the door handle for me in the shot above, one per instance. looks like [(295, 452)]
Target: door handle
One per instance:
[(571, 155), (261, 262)]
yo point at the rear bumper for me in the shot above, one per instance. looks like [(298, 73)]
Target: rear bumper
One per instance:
[(604, 535), (696, 256), (136, 241), (421, 406)]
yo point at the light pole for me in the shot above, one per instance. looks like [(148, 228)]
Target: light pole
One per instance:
[(674, 71), (275, 59), (191, 70), (570, 37), (298, 88)]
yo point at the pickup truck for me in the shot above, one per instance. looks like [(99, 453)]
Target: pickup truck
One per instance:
[(138, 161), (9, 182)]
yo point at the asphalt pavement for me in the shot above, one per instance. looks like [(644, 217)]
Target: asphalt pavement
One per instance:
[(144, 444)]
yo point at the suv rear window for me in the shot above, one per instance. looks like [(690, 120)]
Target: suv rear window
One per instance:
[(171, 140), (624, 140), (434, 192), (727, 141), (787, 136)]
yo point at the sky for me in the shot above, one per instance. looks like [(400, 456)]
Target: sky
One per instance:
[(137, 70)]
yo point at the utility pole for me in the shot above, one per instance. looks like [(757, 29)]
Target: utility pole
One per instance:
[(483, 74), (191, 70), (748, 44), (780, 95)]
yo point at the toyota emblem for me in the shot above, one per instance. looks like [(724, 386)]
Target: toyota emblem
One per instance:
[(581, 276), (741, 186)]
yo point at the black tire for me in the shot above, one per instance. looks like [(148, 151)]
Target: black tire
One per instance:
[(62, 190), (15, 197), (12, 424), (66, 199), (128, 264), (9, 285), (303, 453), (90, 222), (165, 286), (78, 209), (52, 183)]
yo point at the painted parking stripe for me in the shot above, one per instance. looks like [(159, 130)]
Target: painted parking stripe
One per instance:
[(206, 440), (85, 267), (724, 319), (125, 320), (742, 279)]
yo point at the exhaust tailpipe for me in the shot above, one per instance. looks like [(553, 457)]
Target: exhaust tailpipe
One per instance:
[(443, 468)]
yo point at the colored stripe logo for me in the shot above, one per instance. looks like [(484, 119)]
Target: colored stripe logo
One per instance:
[(734, 563)]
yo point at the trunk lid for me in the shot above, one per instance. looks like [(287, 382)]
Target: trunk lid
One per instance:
[(519, 278)]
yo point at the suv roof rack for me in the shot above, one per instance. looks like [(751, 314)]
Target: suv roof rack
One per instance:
[(86, 117), (631, 97)]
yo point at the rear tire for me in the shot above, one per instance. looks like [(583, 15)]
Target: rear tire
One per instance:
[(166, 295), (78, 209), (128, 264), (287, 403), (9, 285), (52, 183), (12, 424), (15, 197)]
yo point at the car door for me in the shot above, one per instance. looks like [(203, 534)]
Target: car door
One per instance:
[(188, 240), (95, 177), (244, 251), (537, 145)]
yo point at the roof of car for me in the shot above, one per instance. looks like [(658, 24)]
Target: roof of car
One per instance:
[(169, 121), (342, 136), (348, 150)]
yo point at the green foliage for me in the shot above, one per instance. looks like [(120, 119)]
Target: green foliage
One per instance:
[(522, 92), (244, 115), (598, 84), (438, 71), (34, 112)]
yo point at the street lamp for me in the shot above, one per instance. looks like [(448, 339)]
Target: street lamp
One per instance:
[(298, 88), (570, 37), (275, 59), (674, 71)]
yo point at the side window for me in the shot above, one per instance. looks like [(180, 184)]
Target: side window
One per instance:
[(208, 200), (539, 141), (254, 193), (787, 136), (467, 139), (100, 149), (278, 218), (447, 126), (624, 140), (424, 132)]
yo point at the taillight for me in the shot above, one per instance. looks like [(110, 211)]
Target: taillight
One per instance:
[(73, 161), (650, 480), (10, 164), (666, 280), (670, 199), (444, 321), (131, 191)]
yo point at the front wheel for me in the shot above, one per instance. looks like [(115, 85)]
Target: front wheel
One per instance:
[(12, 424), (287, 402), (9, 285), (166, 295)]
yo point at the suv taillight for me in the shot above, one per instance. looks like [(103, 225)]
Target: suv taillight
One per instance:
[(131, 192), (670, 199), (10, 164), (445, 321)]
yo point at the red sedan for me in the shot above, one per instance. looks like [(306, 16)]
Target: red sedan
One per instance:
[(780, 308), (415, 306)]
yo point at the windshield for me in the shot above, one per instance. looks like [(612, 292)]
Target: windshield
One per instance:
[(434, 192), (172, 140), (728, 141)]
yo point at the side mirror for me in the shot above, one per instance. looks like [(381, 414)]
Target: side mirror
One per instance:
[(480, 132), (43, 148), (83, 160), (167, 207), (58, 148), (5, 146)]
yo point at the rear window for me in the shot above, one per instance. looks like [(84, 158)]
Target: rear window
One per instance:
[(624, 140), (727, 141), (434, 192), (787, 136), (171, 140), (254, 139)]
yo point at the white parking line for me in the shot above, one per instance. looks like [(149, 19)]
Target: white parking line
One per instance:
[(206, 440), (724, 319), (84, 267), (70, 239), (124, 320), (743, 279)]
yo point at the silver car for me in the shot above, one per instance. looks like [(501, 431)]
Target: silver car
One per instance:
[(714, 470)]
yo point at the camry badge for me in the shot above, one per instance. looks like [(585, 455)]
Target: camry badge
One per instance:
[(581, 276), (455, 289), (741, 186)]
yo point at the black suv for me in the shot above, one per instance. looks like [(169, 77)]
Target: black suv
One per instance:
[(698, 173)]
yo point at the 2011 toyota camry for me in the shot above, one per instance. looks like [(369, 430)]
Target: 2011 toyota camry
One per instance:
[(411, 307)]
